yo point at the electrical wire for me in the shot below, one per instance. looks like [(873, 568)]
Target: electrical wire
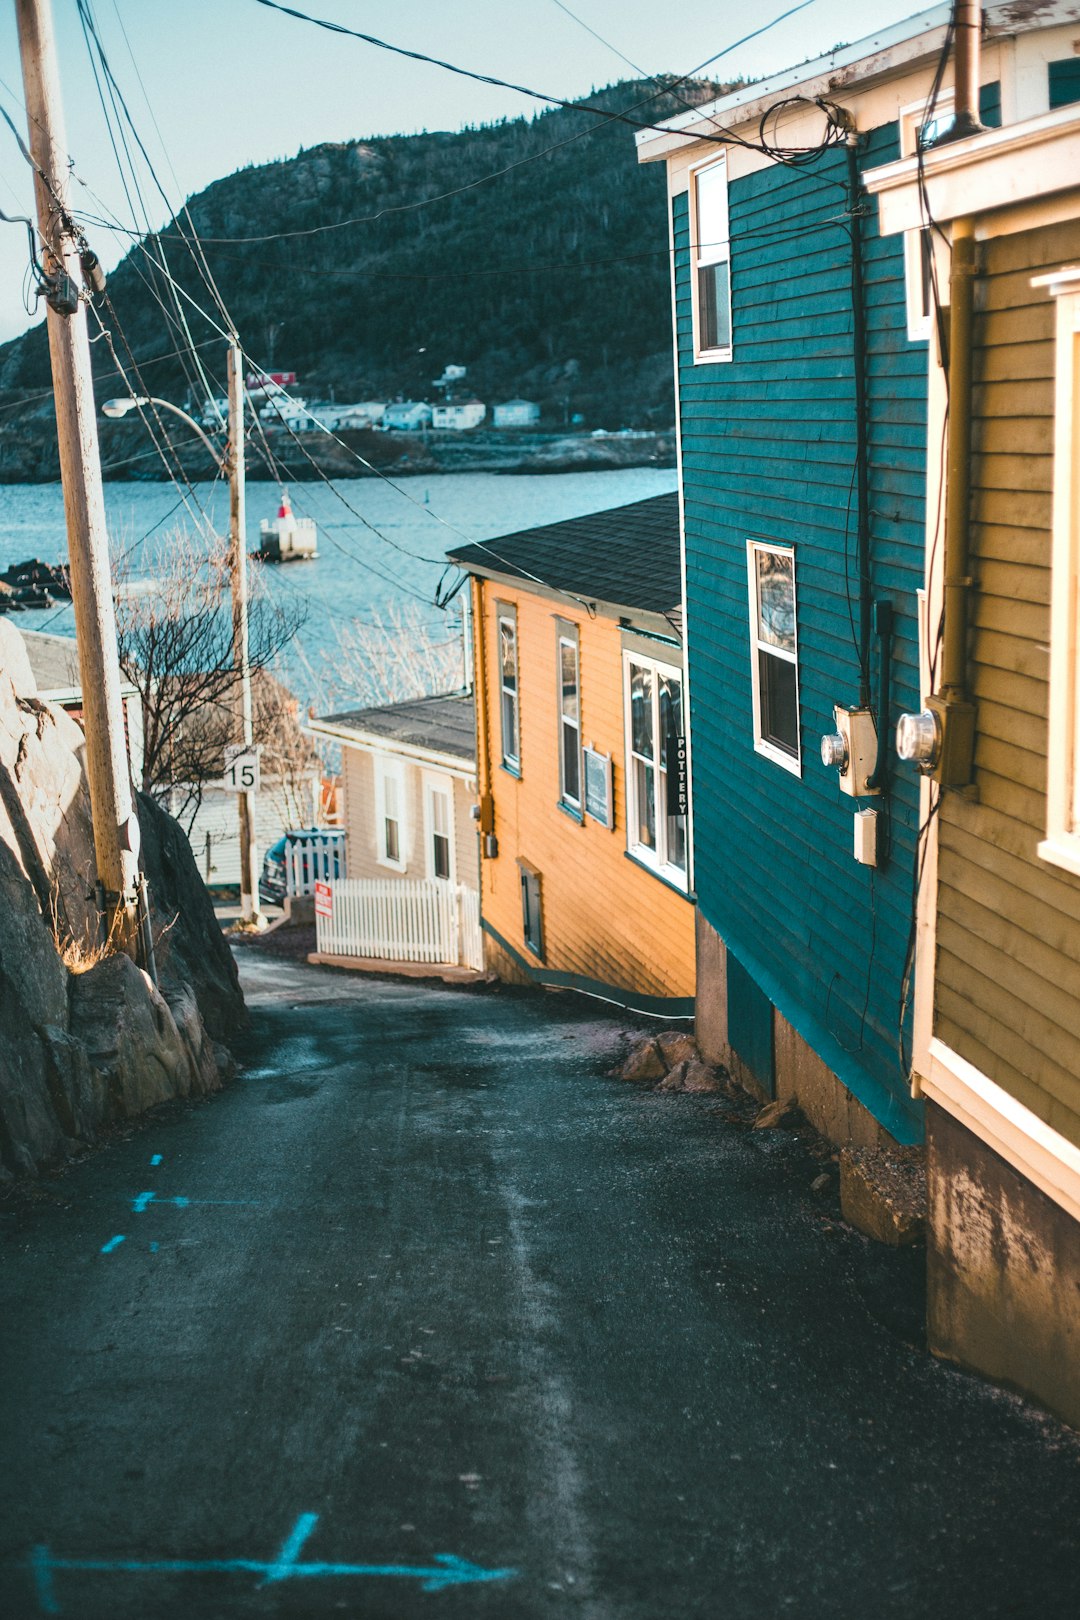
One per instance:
[(524, 90)]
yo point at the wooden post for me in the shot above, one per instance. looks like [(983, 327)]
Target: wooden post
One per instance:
[(249, 875), (116, 828)]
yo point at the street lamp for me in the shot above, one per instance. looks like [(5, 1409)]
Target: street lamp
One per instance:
[(231, 464), (116, 408)]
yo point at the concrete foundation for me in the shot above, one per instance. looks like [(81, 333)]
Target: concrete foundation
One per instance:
[(1003, 1271), (799, 1073)]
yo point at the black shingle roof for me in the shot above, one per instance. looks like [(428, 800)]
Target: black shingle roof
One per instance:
[(444, 725), (628, 555)]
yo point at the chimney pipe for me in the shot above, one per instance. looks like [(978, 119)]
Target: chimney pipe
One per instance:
[(967, 34)]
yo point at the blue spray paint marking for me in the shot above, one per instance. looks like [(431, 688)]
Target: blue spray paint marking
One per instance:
[(113, 1243), (153, 1248), (143, 1200), (156, 1159), (445, 1571)]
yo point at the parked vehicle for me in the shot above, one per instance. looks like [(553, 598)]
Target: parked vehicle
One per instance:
[(304, 856)]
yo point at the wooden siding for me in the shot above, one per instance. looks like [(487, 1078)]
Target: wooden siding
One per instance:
[(768, 443), (605, 918), (358, 790), (1008, 959)]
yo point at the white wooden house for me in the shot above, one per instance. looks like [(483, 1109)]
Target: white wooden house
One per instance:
[(458, 418)]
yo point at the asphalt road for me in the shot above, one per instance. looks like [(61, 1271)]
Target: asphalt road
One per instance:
[(424, 1316)]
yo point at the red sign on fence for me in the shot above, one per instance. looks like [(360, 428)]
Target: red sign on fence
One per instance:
[(324, 900)]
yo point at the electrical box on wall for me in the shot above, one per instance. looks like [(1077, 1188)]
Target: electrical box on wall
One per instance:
[(866, 825), (852, 749)]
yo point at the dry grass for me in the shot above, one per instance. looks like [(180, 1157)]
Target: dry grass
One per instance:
[(79, 957)]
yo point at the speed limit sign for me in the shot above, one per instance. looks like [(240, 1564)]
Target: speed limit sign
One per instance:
[(241, 769)]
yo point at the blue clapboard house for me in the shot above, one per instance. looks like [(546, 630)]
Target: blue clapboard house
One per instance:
[(801, 366)]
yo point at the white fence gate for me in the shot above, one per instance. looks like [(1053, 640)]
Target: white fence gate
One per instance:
[(401, 921), (314, 857)]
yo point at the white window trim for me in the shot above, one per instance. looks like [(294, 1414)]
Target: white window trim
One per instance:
[(394, 769), (1061, 846), (568, 636), (675, 875), (505, 613), (920, 324), (762, 745), (714, 253), (437, 782)]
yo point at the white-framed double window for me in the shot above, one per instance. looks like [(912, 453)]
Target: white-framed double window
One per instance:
[(710, 258), (390, 830), (656, 811), (439, 827), (509, 704), (1062, 842), (774, 653), (918, 130), (568, 676)]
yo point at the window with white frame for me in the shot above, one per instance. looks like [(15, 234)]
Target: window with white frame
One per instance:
[(774, 653), (655, 740), (569, 696), (506, 619), (390, 813), (918, 130), (1062, 842), (439, 826), (710, 248)]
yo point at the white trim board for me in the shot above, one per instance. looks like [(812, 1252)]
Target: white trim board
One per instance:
[(1018, 1136)]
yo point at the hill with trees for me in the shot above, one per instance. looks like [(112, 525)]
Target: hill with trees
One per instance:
[(533, 251)]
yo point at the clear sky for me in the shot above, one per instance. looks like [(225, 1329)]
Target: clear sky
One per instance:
[(229, 83)]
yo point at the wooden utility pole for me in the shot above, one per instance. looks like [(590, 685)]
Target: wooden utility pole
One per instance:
[(116, 828), (249, 875)]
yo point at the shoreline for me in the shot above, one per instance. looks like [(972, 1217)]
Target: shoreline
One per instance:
[(309, 457)]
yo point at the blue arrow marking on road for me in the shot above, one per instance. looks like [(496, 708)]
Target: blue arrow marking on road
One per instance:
[(143, 1200), (449, 1570), (113, 1243)]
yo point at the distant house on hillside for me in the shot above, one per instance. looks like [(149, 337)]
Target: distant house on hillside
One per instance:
[(363, 414), (407, 415), (585, 876), (459, 418), (516, 413)]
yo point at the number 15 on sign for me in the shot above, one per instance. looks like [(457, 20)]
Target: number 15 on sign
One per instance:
[(241, 769)]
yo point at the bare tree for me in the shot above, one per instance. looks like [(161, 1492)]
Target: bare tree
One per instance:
[(175, 640), (394, 656)]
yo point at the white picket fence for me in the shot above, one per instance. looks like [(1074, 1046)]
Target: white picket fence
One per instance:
[(403, 921), (317, 857)]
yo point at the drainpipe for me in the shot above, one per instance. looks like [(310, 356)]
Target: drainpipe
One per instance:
[(967, 31), (486, 806), (942, 739), (858, 327)]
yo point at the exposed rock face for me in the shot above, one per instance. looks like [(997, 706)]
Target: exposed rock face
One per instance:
[(191, 948), (85, 1042)]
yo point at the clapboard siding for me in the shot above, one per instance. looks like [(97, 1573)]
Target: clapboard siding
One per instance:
[(768, 447), (606, 919), (1008, 964)]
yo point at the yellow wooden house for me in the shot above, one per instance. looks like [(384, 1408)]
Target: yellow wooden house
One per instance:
[(996, 1040), (582, 757)]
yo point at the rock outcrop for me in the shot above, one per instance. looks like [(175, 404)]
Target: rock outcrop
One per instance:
[(87, 1039)]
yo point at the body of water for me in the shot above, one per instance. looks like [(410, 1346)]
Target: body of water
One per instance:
[(387, 551)]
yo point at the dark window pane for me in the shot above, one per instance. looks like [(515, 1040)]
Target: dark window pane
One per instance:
[(571, 764), (441, 852), (778, 681), (392, 845), (641, 715), (714, 305), (1064, 81)]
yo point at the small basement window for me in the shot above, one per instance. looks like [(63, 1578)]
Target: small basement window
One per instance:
[(532, 917), (774, 653)]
